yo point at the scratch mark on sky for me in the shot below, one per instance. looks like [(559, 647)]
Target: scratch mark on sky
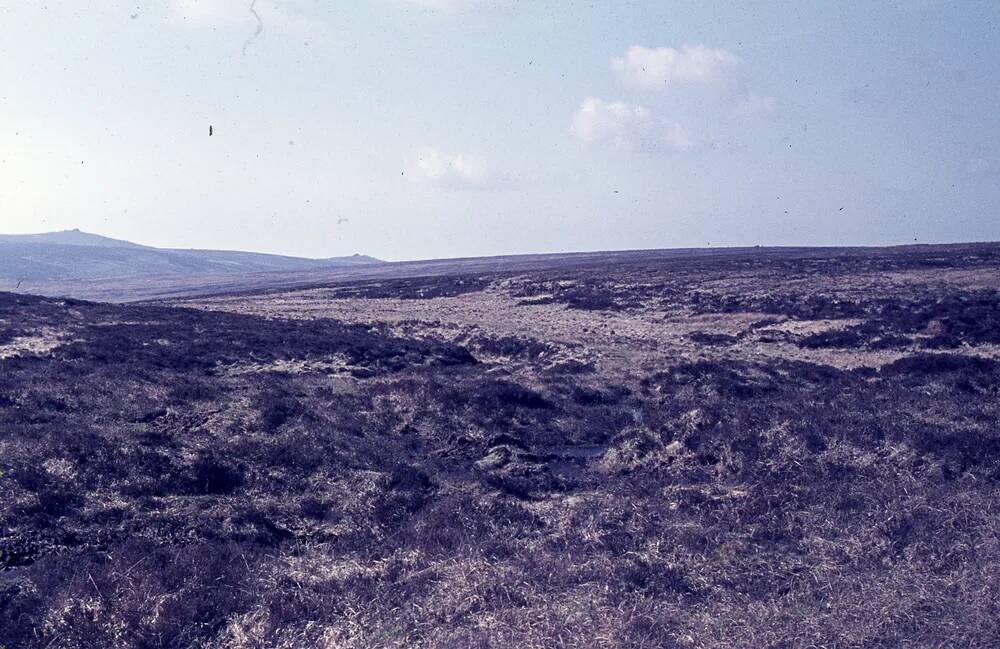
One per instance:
[(260, 27)]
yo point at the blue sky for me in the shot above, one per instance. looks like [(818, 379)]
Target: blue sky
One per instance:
[(439, 128)]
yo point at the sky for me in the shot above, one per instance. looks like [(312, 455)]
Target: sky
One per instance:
[(410, 129)]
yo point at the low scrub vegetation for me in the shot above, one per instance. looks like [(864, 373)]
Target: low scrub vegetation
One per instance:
[(359, 489)]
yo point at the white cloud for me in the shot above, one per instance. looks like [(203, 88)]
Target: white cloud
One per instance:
[(628, 126), (754, 104), (278, 16), (199, 12), (453, 170), (711, 91), (448, 6), (601, 121), (663, 67)]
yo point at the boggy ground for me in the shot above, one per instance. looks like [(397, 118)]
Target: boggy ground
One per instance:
[(794, 450)]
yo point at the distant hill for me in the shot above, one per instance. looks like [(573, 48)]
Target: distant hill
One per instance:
[(70, 238), (76, 255)]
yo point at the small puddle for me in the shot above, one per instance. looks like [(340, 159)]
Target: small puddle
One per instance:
[(587, 452)]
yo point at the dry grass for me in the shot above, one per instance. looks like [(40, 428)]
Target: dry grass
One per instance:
[(452, 467)]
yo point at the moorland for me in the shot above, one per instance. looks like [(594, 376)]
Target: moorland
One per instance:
[(760, 449)]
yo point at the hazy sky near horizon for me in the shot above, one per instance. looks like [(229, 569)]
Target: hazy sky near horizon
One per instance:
[(439, 128)]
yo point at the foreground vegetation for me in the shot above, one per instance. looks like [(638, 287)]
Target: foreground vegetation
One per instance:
[(176, 477)]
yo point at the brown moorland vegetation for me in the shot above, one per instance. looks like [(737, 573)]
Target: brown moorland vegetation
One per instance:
[(782, 451)]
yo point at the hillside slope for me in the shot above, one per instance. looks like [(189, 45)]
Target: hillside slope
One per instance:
[(74, 255), (360, 269)]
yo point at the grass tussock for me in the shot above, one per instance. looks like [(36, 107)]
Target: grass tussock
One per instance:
[(409, 495)]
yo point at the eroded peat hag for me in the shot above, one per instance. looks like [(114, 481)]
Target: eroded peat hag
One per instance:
[(781, 450)]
